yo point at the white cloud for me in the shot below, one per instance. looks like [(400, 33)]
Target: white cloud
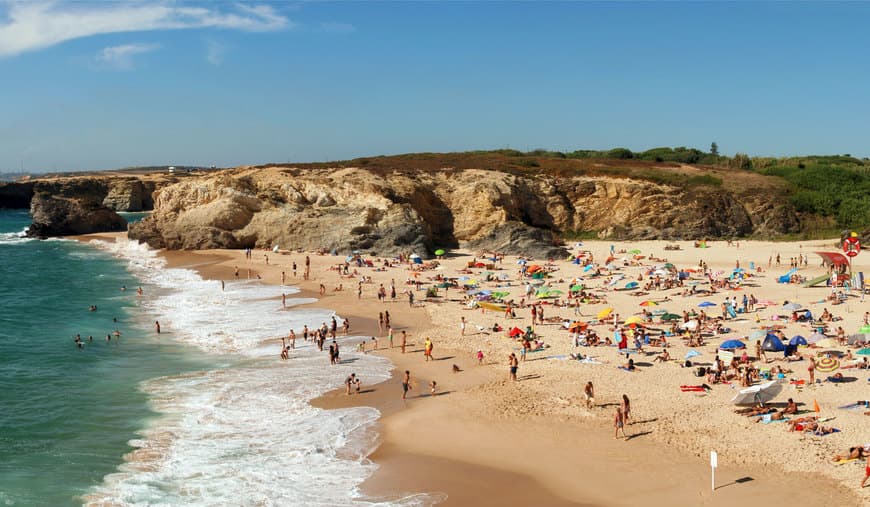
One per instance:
[(29, 26), (214, 52), (334, 27), (121, 57)]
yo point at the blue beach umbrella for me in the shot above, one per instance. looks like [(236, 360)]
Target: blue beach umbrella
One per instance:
[(732, 344), (705, 304), (692, 353)]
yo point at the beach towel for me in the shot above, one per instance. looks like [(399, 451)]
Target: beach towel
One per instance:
[(765, 419), (844, 461)]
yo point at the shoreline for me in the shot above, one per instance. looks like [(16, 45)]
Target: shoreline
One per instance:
[(422, 451)]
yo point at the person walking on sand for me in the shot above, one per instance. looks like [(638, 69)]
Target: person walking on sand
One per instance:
[(811, 368), (380, 322), (404, 341), (589, 394), (427, 349), (236, 271), (619, 423), (462, 327), (479, 357), (406, 383), (514, 364), (292, 339), (390, 337), (626, 409)]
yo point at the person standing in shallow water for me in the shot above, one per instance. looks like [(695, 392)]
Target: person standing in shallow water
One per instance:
[(157, 326), (406, 383)]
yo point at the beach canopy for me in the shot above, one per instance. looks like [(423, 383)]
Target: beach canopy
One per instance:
[(772, 343), (705, 304), (797, 340), (760, 394), (816, 337), (603, 314), (732, 344), (827, 364)]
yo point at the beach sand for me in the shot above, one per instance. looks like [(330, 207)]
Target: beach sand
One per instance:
[(486, 441)]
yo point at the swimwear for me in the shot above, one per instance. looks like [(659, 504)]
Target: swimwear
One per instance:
[(405, 387), (513, 369)]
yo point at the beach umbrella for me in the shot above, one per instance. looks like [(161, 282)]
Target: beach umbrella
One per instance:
[(815, 338), (603, 314), (522, 262), (705, 304), (577, 326), (587, 267), (732, 344), (443, 285), (792, 307), (500, 295), (864, 352), (634, 251), (631, 285), (636, 319), (670, 316), (516, 332), (827, 364), (659, 311), (827, 342), (760, 394), (692, 353), (797, 340), (577, 288), (668, 265), (834, 353), (692, 324), (757, 334), (440, 251), (855, 339), (864, 330), (648, 302)]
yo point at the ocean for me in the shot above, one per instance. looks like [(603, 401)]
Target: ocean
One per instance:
[(203, 414)]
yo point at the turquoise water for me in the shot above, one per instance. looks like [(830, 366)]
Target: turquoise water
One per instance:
[(134, 216), (67, 414)]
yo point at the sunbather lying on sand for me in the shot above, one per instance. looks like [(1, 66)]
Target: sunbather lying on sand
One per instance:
[(800, 423), (856, 452), (750, 412)]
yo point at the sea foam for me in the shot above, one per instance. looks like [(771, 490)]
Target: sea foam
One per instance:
[(244, 434)]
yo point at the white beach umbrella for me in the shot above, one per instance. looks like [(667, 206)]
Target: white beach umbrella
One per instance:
[(760, 394)]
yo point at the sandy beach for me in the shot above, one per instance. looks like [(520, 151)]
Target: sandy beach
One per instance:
[(484, 440)]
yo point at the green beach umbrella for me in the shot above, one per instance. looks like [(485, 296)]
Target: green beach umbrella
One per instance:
[(634, 251), (500, 295), (864, 330), (864, 352), (577, 287), (440, 251), (670, 316), (668, 265)]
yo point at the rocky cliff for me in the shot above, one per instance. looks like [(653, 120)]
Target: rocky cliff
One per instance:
[(63, 216), (387, 212)]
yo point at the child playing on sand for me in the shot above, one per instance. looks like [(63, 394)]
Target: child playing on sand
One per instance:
[(432, 386), (619, 424), (479, 357)]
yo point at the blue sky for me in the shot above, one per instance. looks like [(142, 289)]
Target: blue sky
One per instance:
[(103, 85)]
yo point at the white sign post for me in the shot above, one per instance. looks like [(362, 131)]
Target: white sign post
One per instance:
[(714, 462)]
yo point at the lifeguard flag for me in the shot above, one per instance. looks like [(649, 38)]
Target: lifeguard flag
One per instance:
[(816, 406)]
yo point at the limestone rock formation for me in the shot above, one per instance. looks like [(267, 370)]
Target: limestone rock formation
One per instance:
[(128, 195), (63, 216), (347, 209)]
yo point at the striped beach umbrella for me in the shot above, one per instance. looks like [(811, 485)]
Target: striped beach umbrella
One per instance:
[(827, 364)]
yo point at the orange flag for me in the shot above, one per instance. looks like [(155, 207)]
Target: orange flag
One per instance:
[(816, 406)]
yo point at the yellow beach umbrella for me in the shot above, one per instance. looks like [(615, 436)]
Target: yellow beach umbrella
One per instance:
[(603, 314), (636, 319), (827, 342)]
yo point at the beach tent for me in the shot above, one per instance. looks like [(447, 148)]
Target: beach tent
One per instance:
[(797, 340), (772, 343), (732, 344), (815, 337), (760, 394)]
